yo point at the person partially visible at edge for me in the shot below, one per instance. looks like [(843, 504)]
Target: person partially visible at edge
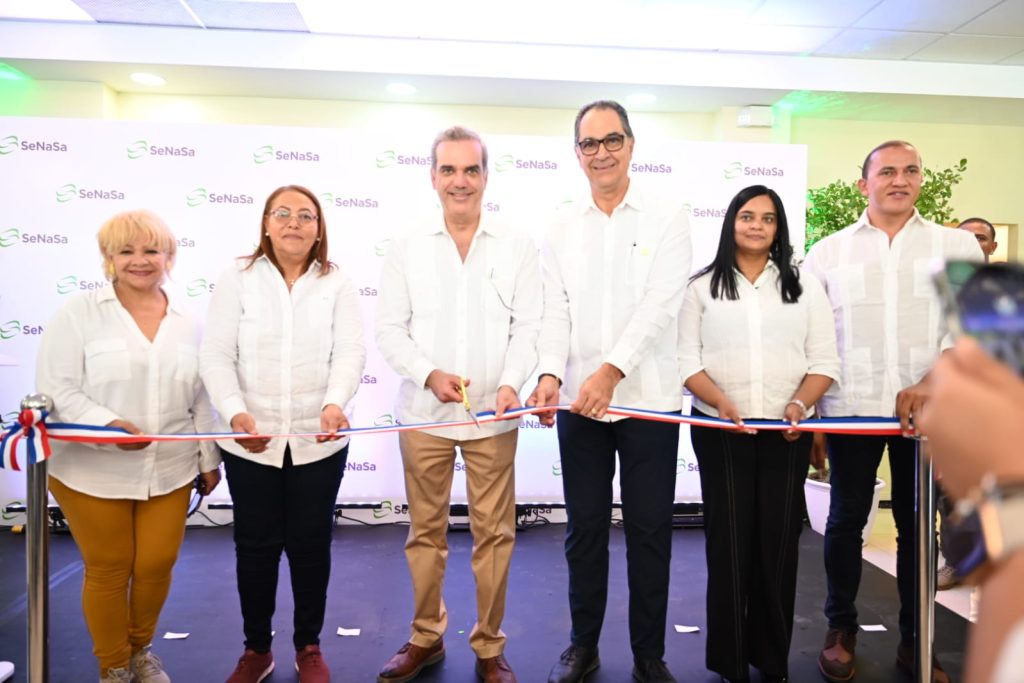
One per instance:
[(457, 318), (283, 353), (756, 341), (615, 265), (126, 356), (974, 428), (984, 232), (889, 331)]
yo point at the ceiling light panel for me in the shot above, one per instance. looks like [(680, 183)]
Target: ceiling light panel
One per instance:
[(155, 12), (44, 10), (254, 15)]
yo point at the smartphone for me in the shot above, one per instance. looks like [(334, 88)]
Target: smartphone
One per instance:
[(986, 301)]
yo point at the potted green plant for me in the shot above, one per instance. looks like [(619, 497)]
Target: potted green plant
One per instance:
[(830, 209)]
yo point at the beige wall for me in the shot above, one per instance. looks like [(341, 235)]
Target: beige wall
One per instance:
[(991, 185)]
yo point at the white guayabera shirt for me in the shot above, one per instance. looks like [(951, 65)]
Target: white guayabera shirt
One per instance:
[(613, 286), (282, 356), (888, 319), (97, 366), (756, 349), (478, 319)]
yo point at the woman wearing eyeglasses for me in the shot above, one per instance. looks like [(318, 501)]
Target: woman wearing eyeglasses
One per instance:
[(283, 353), (756, 341)]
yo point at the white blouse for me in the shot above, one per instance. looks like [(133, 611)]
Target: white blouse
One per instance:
[(282, 356), (756, 349), (97, 366)]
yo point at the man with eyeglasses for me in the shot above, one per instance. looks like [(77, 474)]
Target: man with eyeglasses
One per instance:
[(457, 318), (615, 266)]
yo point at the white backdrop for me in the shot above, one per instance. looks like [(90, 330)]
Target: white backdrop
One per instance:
[(63, 177)]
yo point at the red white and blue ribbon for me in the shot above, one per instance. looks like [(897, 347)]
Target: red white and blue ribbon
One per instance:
[(30, 430), (35, 433)]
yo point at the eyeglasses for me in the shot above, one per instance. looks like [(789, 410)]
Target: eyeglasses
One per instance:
[(612, 143), (284, 215)]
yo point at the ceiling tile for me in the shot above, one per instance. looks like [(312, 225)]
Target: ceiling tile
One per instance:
[(267, 16), (943, 16), (970, 49), (155, 12), (818, 13), (868, 44), (1005, 19), (1017, 59)]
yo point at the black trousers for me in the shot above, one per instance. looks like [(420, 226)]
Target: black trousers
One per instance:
[(854, 461), (647, 454), (289, 509), (752, 487)]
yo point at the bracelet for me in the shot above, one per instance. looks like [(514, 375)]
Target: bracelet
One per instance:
[(798, 402)]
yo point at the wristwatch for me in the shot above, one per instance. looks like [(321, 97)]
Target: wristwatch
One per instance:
[(996, 513)]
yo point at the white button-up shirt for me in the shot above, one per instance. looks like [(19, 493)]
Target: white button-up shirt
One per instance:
[(756, 349), (478, 319), (282, 356), (97, 366), (888, 319), (613, 287)]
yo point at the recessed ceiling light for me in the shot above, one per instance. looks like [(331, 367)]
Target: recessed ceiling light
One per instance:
[(143, 78), (401, 89), (641, 98)]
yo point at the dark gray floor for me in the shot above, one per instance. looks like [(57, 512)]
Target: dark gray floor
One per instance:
[(370, 590)]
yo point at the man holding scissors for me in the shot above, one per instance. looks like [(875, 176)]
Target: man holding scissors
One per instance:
[(458, 317)]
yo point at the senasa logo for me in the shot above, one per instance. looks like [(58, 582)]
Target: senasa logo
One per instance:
[(349, 202), (201, 195), (556, 468), (771, 171), (385, 420), (381, 247), (507, 162), (733, 170), (700, 212), (10, 329), (141, 148), (9, 237), (69, 191), (365, 466), (650, 168), (71, 283), (267, 153), (687, 208), (390, 158), (65, 193), (198, 287), (12, 143), (67, 284), (387, 507), (9, 145)]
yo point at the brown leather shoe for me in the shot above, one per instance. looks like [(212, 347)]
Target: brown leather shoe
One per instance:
[(409, 661), (905, 660), (836, 659), (495, 670)]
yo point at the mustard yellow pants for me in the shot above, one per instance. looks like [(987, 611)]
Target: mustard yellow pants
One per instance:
[(128, 548)]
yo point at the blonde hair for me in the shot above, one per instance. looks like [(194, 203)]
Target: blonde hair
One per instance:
[(127, 227)]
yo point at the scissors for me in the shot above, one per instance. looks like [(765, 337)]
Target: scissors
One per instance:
[(465, 402)]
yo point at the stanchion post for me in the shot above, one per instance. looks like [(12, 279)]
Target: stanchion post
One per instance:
[(37, 558), (924, 560)]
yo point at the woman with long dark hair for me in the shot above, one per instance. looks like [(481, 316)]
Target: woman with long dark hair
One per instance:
[(755, 341)]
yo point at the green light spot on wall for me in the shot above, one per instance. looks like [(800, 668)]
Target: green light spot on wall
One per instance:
[(9, 73)]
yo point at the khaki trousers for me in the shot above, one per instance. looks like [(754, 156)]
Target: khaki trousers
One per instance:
[(490, 489), (128, 548)]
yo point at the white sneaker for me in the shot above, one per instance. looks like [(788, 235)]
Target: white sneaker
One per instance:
[(945, 578), (147, 667), (117, 675)]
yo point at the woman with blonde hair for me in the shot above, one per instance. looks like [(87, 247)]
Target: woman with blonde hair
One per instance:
[(127, 356)]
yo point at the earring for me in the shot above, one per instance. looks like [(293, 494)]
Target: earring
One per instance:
[(266, 234), (110, 269)]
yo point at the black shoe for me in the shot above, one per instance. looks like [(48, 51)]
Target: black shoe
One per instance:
[(651, 671), (575, 664)]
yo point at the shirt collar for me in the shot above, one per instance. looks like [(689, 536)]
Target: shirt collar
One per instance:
[(863, 221), (634, 199), (108, 294)]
